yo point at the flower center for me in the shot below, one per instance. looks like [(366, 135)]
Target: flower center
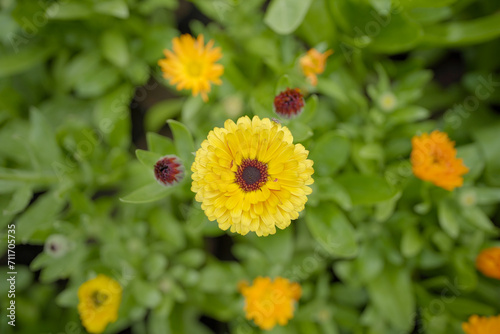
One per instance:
[(251, 175), (194, 69), (98, 298)]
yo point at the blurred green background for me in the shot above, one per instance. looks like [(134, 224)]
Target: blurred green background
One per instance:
[(376, 250)]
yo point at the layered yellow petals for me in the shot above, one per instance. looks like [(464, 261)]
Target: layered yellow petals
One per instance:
[(99, 301), (281, 197), (482, 325), (488, 262), (433, 158), (270, 302), (192, 65)]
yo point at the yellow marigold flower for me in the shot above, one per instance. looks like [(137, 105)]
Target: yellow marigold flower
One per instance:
[(249, 176), (99, 301), (482, 325), (268, 303), (313, 63), (433, 158), (192, 65), (488, 262)]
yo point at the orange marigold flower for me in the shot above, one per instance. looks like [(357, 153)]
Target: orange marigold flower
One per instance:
[(313, 63), (269, 302), (192, 65), (433, 158), (99, 301), (482, 325), (488, 262)]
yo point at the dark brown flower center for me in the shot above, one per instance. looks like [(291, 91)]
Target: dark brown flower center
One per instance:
[(98, 298), (168, 170), (289, 103), (251, 175)]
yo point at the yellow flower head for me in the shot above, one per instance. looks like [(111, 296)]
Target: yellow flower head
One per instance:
[(268, 302), (249, 176), (488, 262), (433, 158), (313, 63), (482, 325), (192, 65), (99, 301)]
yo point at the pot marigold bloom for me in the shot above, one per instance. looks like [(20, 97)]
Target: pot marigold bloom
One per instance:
[(313, 63), (249, 176), (169, 170), (482, 325), (192, 65), (433, 158), (289, 103), (270, 302), (488, 262), (99, 301)]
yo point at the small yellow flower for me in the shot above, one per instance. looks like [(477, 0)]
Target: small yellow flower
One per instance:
[(313, 63), (388, 101), (192, 65), (99, 301), (433, 158), (249, 176), (482, 325), (268, 302), (488, 262)]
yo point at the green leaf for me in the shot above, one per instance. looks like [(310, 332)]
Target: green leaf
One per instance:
[(309, 109), (39, 216), (332, 230), (463, 33), (284, 16), (117, 8), (478, 219), (397, 35), (283, 84), (448, 219), (145, 293), (489, 141), (392, 295), (160, 144), (69, 11), (330, 153), (148, 193), (43, 140), (114, 48), (473, 159), (158, 114), (183, 141), (407, 115), (411, 242), (23, 60), (366, 189), (300, 131), (19, 201), (278, 249), (147, 158)]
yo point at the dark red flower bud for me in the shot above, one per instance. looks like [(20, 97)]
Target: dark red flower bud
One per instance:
[(289, 103), (169, 170)]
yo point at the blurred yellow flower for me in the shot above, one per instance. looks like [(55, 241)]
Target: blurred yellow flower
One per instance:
[(488, 262), (270, 302), (433, 158), (482, 325), (313, 63), (192, 65), (249, 176), (99, 301)]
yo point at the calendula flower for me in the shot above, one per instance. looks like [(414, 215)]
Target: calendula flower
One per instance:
[(387, 101), (99, 301), (313, 63), (192, 65), (249, 176), (289, 103), (169, 170), (482, 325), (433, 158), (488, 262), (270, 302)]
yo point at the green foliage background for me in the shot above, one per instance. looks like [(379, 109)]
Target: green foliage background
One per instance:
[(376, 250)]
